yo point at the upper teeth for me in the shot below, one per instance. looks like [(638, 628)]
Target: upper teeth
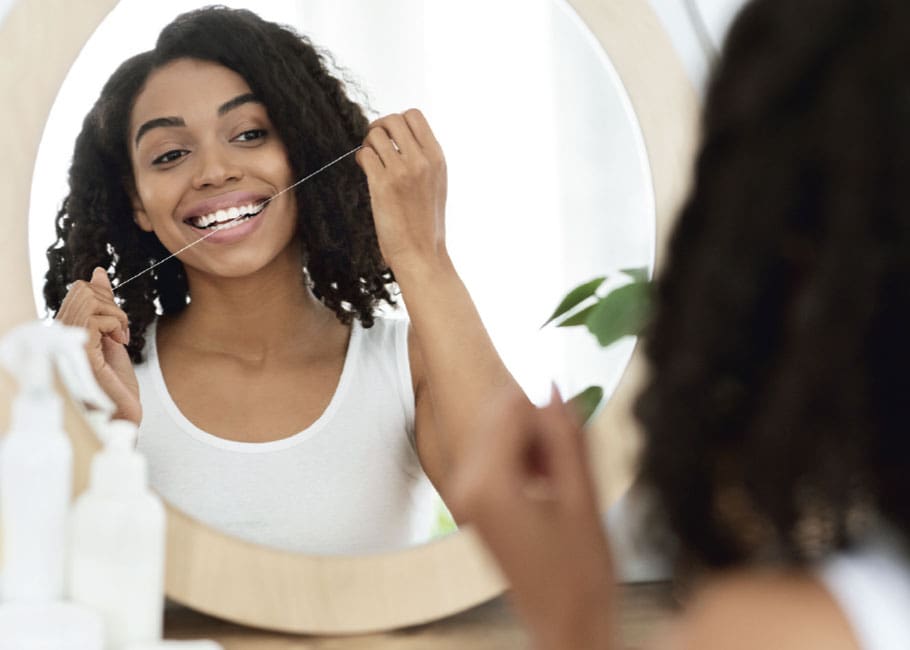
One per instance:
[(227, 214)]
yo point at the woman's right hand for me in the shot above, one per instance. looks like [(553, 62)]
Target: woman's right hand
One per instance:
[(91, 305)]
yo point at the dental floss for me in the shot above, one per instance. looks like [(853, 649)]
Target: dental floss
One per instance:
[(190, 245)]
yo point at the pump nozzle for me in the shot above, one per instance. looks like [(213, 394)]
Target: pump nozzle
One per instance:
[(29, 351), (119, 466)]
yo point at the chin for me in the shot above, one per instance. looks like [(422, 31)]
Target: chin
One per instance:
[(242, 264)]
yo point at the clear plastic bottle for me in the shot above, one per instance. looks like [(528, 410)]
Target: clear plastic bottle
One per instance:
[(118, 543)]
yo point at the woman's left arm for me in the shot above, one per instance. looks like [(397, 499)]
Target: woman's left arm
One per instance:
[(458, 372)]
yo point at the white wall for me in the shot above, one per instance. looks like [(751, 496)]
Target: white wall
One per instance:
[(680, 18), (5, 6)]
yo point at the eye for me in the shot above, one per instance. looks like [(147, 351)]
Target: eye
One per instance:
[(252, 134), (170, 156)]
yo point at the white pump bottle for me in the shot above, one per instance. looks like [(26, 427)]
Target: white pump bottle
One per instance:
[(118, 542)]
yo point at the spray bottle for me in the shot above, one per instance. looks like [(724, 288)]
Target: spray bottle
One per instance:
[(36, 487), (36, 466)]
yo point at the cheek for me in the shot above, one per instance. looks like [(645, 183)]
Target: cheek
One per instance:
[(280, 167), (283, 175), (156, 199)]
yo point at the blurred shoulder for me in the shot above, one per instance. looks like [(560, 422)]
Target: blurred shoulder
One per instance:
[(752, 610)]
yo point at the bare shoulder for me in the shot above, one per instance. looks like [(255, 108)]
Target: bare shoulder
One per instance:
[(754, 610)]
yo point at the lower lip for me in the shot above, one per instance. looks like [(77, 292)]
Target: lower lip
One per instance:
[(231, 235)]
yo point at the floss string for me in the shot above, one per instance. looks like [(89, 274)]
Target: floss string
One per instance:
[(271, 198)]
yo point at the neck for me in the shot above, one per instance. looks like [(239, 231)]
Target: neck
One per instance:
[(256, 316)]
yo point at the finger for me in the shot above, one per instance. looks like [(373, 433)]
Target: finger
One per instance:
[(397, 127), (95, 295), (100, 279), (92, 304), (420, 128), (563, 444), (378, 139), (369, 161), (108, 325), (99, 295), (101, 284)]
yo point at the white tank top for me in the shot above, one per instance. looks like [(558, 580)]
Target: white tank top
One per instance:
[(350, 483), (872, 586)]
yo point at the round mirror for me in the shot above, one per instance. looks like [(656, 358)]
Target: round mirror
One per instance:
[(528, 218)]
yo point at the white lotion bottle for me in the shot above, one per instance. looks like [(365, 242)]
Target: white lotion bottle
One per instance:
[(118, 543)]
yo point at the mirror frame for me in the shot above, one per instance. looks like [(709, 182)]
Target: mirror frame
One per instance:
[(266, 588)]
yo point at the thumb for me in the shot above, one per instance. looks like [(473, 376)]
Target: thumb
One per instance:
[(100, 279)]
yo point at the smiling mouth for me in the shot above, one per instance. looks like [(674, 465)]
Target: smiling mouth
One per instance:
[(226, 218)]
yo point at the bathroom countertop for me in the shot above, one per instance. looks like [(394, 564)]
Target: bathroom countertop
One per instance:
[(486, 627)]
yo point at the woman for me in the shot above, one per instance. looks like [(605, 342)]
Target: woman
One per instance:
[(775, 417), (274, 404)]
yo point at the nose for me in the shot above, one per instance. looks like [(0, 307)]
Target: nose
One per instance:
[(215, 168)]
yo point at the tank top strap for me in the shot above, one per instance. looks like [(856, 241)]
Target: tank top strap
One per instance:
[(871, 583)]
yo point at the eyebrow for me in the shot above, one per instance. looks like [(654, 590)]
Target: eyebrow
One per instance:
[(225, 108)]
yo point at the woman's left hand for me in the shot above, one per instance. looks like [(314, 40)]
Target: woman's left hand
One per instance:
[(406, 173)]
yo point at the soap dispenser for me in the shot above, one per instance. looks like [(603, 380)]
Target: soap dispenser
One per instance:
[(118, 542)]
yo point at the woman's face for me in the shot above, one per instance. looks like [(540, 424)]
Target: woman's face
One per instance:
[(204, 156)]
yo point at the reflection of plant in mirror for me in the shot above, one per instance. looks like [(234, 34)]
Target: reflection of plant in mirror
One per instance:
[(622, 311), (443, 523), (609, 315)]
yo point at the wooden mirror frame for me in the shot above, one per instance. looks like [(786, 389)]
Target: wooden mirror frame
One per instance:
[(262, 587)]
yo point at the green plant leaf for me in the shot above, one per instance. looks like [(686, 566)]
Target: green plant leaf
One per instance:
[(585, 403), (576, 296), (622, 312), (578, 318), (638, 275)]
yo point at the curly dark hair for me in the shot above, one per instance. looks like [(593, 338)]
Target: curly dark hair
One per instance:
[(315, 119), (777, 411)]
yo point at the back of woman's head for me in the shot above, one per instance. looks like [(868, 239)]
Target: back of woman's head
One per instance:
[(316, 121), (775, 416)]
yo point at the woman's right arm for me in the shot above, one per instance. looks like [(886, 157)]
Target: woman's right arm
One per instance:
[(91, 305)]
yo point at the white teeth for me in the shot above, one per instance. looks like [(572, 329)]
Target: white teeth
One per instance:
[(227, 215), (229, 225)]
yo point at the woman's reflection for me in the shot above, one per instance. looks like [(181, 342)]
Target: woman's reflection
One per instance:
[(276, 404)]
